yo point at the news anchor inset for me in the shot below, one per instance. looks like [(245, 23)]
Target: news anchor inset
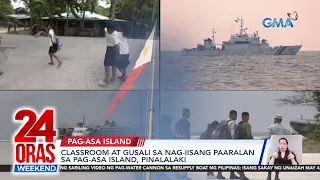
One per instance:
[(282, 157)]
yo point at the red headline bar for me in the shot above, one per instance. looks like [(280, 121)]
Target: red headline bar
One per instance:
[(102, 141)]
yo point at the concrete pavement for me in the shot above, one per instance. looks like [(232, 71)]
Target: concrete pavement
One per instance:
[(24, 61), (3, 30)]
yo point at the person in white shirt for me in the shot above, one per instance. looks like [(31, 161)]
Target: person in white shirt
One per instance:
[(53, 45), (123, 58), (110, 58)]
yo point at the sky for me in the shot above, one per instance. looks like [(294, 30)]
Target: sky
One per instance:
[(185, 23)]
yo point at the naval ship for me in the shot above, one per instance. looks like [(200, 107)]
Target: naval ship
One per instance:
[(240, 44), (110, 128), (299, 125)]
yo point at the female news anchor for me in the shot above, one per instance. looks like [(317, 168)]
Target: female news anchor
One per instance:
[(282, 157)]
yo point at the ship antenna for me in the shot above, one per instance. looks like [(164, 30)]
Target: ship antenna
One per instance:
[(84, 119), (213, 40)]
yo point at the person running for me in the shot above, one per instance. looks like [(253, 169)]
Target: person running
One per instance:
[(53, 45), (123, 59), (110, 58)]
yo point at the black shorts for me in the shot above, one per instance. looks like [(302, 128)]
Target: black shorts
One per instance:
[(123, 61), (53, 49), (110, 58)]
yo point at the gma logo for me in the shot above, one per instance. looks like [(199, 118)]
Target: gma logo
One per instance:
[(271, 23)]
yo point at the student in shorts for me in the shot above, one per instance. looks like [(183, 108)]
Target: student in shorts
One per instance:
[(53, 41), (282, 157), (123, 58), (110, 58)]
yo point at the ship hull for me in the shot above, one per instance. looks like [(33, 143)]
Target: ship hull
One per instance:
[(299, 125), (281, 50)]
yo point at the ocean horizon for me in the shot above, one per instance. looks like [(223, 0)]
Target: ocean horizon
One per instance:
[(255, 134), (299, 72)]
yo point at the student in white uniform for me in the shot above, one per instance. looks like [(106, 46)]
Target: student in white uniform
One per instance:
[(53, 41), (123, 58), (110, 58)]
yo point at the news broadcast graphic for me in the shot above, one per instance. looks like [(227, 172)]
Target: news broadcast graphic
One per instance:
[(137, 150), (34, 142), (177, 168), (187, 168), (294, 145), (37, 150)]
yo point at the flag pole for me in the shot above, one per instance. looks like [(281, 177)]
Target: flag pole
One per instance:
[(151, 110)]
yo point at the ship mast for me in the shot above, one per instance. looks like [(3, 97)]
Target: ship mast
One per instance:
[(241, 27), (213, 40)]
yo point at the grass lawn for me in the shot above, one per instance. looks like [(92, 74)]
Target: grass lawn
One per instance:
[(309, 146)]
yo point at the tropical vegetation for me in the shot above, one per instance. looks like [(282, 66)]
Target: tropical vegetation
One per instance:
[(306, 98), (135, 11), (6, 8)]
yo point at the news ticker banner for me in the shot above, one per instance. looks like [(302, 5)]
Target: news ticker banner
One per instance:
[(36, 149), (176, 168), (139, 151), (96, 150), (91, 151)]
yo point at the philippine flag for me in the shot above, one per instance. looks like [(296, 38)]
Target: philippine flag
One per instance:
[(143, 60)]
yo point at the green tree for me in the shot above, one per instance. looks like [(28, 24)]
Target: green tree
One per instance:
[(137, 12), (306, 98), (5, 9), (72, 6), (20, 10), (44, 8), (102, 10), (134, 11), (86, 5)]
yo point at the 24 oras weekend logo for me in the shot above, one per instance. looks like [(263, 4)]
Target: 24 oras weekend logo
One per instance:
[(281, 22), (34, 142)]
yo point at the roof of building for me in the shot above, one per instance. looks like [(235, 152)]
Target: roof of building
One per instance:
[(88, 15), (18, 16)]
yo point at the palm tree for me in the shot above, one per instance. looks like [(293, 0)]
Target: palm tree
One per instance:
[(72, 7), (113, 9)]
